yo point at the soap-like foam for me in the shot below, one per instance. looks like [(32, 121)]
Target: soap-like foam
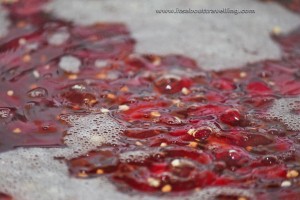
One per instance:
[(214, 192), (88, 132), (284, 110), (138, 155), (3, 21), (33, 173)]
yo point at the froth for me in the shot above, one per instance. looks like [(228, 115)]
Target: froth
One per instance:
[(284, 111), (88, 132), (138, 155), (214, 192), (33, 173)]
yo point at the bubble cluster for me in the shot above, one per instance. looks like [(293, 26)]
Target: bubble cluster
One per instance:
[(138, 155), (215, 192), (23, 171), (26, 172), (87, 132), (38, 92), (285, 110)]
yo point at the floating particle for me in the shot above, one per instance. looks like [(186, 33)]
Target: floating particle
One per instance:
[(111, 96), (78, 87), (243, 74), (17, 130), (36, 74), (26, 58), (123, 107), (153, 182), (163, 144), (70, 64), (193, 144), (276, 30), (176, 163), (185, 91), (22, 41), (72, 76), (99, 171), (286, 184), (139, 143), (166, 188), (292, 174), (104, 110), (155, 114), (10, 93)]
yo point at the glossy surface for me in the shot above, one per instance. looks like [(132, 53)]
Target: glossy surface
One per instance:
[(185, 128)]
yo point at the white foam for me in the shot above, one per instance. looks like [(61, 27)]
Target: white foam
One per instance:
[(213, 193), (32, 173), (138, 155), (88, 132), (215, 41), (282, 110), (4, 23)]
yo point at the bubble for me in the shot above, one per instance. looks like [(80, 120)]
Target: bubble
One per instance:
[(214, 192), (37, 93), (70, 64), (138, 155), (286, 111)]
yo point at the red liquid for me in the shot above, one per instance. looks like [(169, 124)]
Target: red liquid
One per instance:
[(207, 128)]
